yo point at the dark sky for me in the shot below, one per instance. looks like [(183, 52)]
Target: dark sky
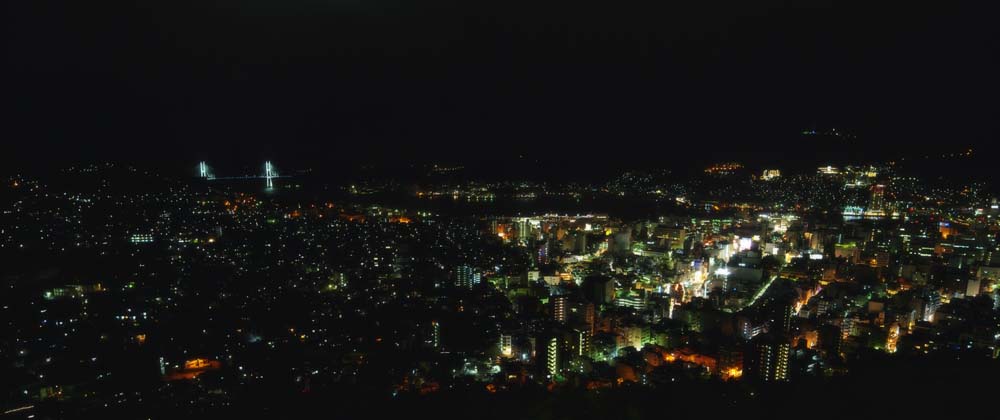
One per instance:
[(337, 80)]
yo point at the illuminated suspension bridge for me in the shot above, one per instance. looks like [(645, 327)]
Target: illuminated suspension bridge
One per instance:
[(269, 174)]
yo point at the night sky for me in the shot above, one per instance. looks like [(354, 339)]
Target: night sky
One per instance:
[(660, 82)]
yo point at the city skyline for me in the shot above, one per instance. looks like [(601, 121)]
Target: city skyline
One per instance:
[(499, 210), (134, 292)]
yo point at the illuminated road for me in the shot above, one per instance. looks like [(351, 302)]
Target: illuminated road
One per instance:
[(762, 290)]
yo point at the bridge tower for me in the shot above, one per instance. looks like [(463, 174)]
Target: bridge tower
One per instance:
[(269, 174), (204, 171)]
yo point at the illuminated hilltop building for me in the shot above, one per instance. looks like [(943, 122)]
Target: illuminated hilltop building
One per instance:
[(770, 174), (828, 170), (728, 168), (192, 369)]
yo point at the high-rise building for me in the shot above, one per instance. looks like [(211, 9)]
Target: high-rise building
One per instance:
[(580, 243), (552, 356), (931, 303), (542, 256), (506, 345), (534, 276), (621, 242), (435, 335), (599, 289), (972, 288), (548, 354), (767, 358), (877, 205), (523, 230), (778, 313), (829, 338), (882, 259), (747, 327), (590, 317), (557, 347), (466, 276), (582, 342), (559, 308)]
